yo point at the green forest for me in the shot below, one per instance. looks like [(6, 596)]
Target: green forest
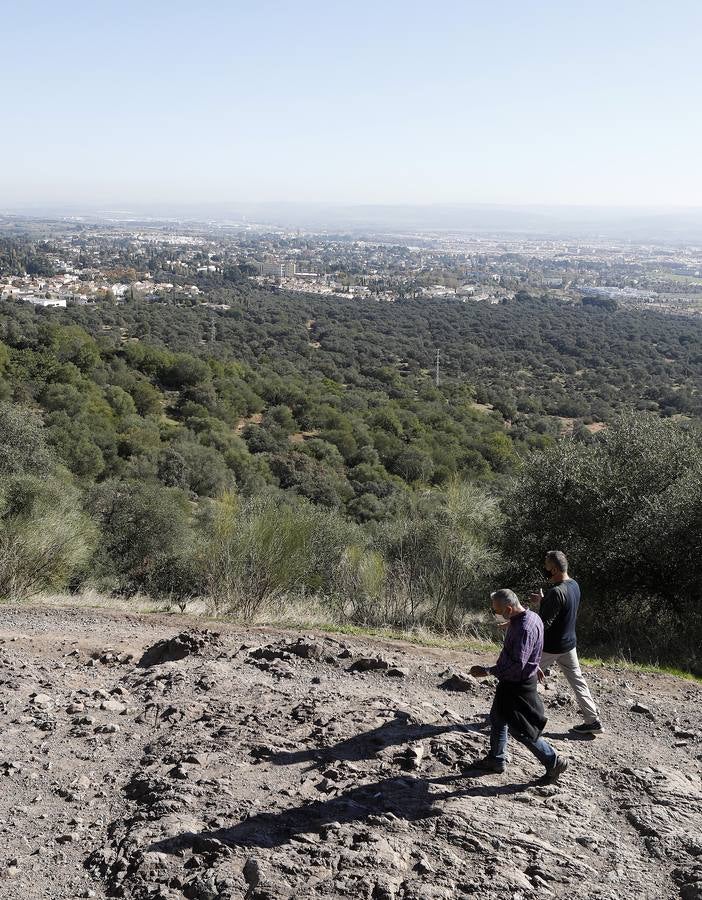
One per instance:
[(269, 446)]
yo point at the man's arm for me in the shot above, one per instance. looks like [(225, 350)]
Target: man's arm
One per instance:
[(484, 671)]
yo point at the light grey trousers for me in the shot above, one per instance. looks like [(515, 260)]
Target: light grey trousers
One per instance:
[(570, 666)]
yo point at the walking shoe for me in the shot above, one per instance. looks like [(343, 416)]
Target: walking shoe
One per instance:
[(557, 769), (487, 764), (588, 727)]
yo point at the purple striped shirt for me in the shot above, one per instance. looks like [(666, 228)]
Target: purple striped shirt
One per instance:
[(521, 651)]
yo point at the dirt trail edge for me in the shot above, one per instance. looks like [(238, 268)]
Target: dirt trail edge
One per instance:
[(150, 757)]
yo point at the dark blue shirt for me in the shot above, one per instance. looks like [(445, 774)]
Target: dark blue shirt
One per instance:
[(559, 611)]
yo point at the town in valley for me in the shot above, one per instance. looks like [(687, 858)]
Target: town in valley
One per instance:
[(82, 261)]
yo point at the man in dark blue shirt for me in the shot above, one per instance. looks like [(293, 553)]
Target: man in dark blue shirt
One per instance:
[(558, 608), (517, 708)]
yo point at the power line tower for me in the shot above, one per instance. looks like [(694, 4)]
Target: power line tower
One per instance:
[(438, 356)]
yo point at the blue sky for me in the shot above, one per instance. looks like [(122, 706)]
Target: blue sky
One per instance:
[(369, 102)]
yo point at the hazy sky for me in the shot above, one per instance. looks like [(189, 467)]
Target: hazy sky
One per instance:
[(391, 101)]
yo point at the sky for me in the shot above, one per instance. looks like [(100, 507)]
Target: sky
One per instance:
[(385, 102)]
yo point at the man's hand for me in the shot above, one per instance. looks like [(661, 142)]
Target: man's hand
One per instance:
[(503, 624), (479, 671), (536, 597), (540, 675)]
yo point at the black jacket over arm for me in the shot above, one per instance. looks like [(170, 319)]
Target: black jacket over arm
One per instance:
[(521, 707)]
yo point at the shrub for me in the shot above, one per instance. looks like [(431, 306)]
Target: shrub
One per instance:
[(626, 508), (45, 539), (441, 555), (262, 549), (359, 590), (146, 537), (23, 442)]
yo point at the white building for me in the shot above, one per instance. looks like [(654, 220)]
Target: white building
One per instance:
[(46, 301)]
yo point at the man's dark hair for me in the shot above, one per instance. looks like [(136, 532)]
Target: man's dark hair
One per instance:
[(559, 559)]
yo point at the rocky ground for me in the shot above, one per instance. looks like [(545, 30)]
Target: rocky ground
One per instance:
[(146, 757)]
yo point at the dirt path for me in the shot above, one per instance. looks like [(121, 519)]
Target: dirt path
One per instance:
[(257, 764)]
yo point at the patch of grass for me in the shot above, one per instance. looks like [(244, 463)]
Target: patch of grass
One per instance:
[(616, 662), (419, 636), (313, 616), (683, 279)]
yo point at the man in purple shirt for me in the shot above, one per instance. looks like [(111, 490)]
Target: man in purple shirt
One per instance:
[(517, 708)]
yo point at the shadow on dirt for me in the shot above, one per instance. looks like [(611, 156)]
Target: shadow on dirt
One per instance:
[(405, 797), (399, 730)]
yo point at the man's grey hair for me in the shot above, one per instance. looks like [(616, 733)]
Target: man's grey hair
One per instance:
[(506, 596), (559, 559)]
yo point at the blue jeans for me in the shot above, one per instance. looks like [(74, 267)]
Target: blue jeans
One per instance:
[(541, 749)]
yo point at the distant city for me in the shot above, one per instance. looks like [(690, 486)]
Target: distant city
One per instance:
[(84, 261)]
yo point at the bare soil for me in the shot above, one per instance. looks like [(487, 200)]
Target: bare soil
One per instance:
[(267, 764)]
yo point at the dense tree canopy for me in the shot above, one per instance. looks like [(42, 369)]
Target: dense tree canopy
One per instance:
[(150, 413), (628, 506)]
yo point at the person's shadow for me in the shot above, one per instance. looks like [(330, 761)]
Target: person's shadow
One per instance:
[(568, 736), (399, 730), (406, 797)]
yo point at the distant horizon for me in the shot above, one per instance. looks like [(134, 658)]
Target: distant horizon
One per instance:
[(18, 206), (637, 223)]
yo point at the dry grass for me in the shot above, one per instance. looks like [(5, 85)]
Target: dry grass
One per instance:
[(305, 614), (136, 603), (310, 614)]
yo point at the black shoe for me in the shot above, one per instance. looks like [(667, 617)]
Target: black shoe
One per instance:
[(487, 764), (557, 769), (588, 728)]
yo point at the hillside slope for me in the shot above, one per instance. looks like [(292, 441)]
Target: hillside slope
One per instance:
[(256, 763)]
